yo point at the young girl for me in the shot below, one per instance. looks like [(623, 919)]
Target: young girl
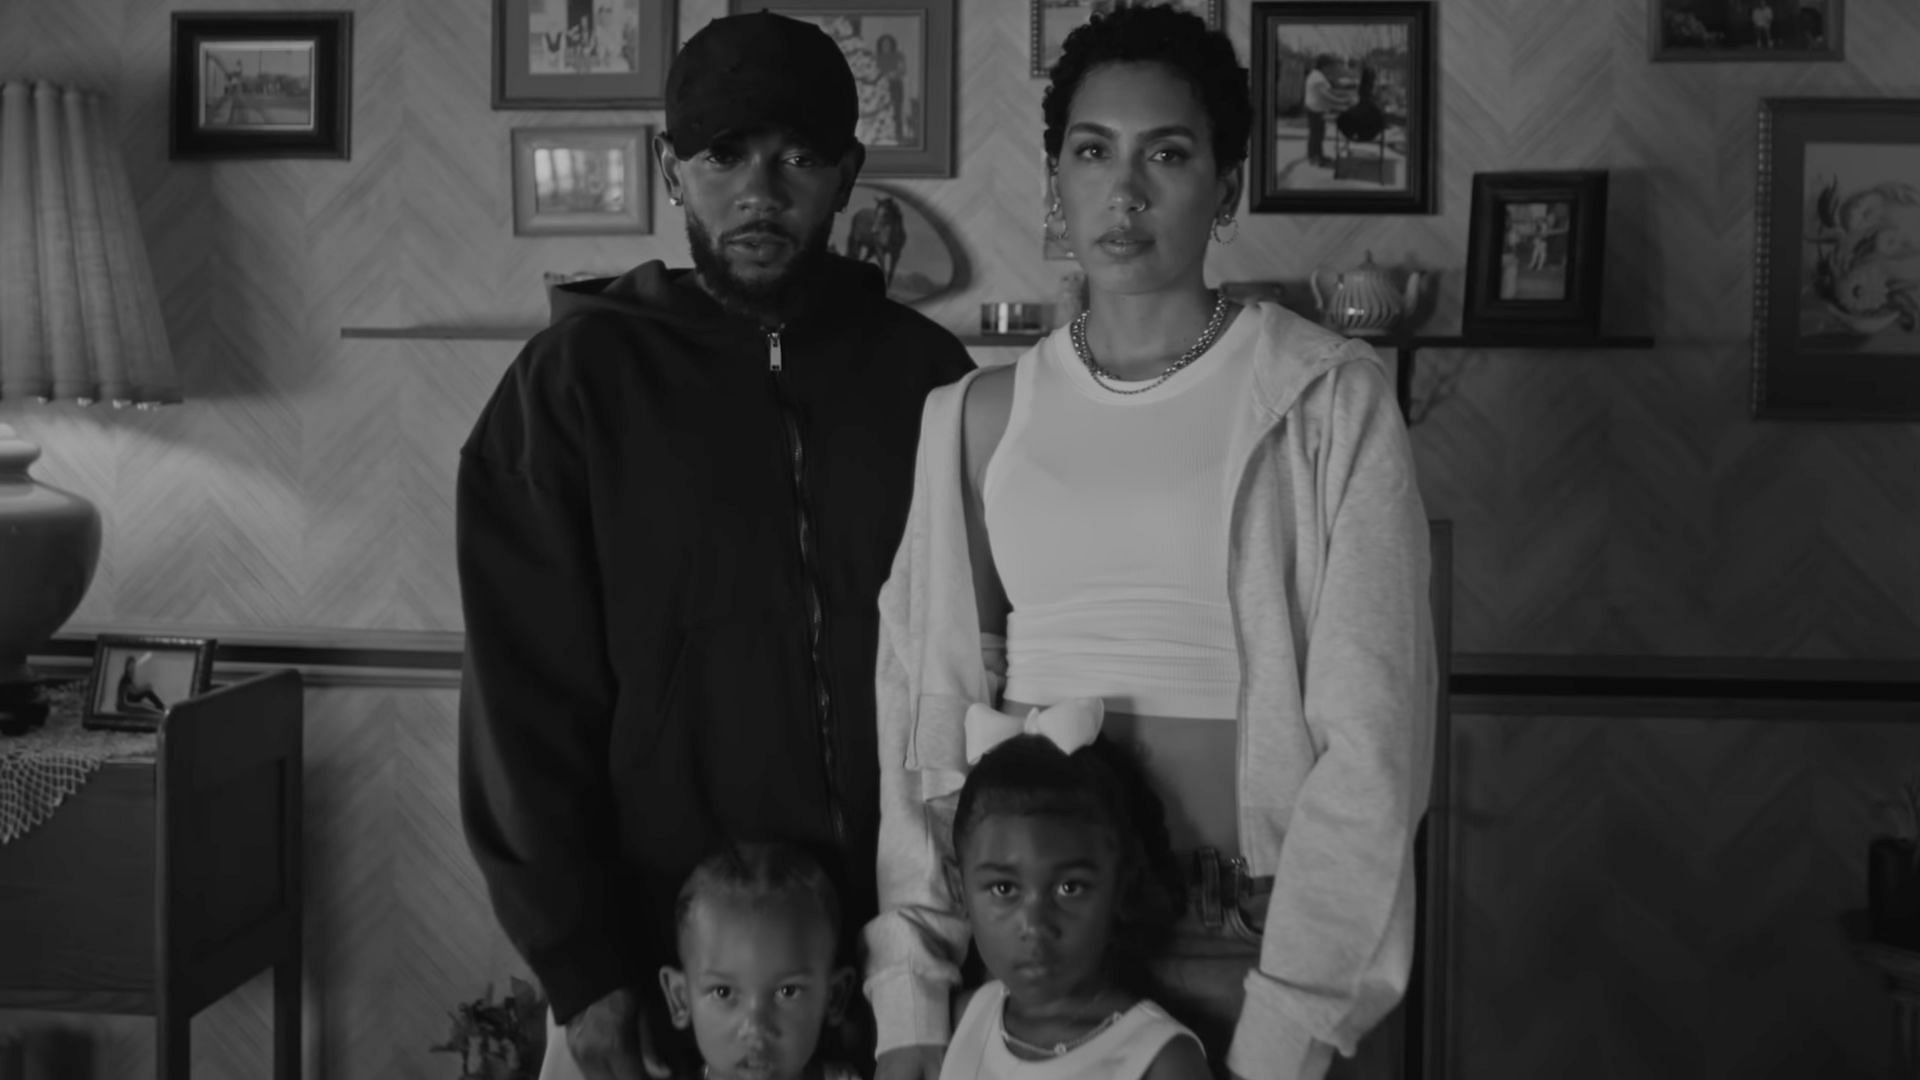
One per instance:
[(1068, 881), (759, 980)]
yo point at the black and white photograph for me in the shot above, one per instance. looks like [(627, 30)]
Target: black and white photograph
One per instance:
[(1343, 108), (583, 37), (887, 53), (582, 54), (259, 85), (1053, 20), (582, 181), (1533, 251), (1762, 30), (136, 681)]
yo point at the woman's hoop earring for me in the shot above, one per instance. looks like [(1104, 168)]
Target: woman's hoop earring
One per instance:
[(1046, 223), (1230, 237)]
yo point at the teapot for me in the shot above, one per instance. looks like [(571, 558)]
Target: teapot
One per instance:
[(1363, 300)]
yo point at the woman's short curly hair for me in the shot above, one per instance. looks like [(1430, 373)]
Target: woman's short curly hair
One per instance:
[(1157, 34)]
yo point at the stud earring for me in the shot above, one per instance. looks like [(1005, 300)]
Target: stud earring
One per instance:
[(676, 200)]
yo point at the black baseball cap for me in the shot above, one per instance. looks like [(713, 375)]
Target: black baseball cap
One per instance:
[(759, 71)]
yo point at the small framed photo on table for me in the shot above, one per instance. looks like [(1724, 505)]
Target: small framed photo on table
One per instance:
[(582, 54), (1535, 249), (274, 84), (901, 53), (137, 680), (582, 181), (1836, 305)]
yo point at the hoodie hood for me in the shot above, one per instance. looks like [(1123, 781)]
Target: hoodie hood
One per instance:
[(655, 292)]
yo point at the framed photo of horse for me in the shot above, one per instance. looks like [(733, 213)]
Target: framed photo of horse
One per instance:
[(917, 255), (1344, 120), (261, 85), (902, 56), (1836, 311)]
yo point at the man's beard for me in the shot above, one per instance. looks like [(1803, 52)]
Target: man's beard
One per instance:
[(772, 299)]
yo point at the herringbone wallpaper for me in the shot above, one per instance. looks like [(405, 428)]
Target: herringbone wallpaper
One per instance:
[(1604, 502)]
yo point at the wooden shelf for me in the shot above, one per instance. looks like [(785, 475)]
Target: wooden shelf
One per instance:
[(1001, 341), (442, 333), (1409, 346)]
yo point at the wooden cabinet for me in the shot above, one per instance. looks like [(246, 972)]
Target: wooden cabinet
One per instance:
[(160, 887)]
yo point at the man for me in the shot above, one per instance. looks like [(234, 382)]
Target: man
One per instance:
[(674, 518), (1322, 99)]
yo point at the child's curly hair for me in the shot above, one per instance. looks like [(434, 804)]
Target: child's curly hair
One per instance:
[(1157, 34), (1101, 784)]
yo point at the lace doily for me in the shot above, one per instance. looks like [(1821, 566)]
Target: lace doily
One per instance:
[(40, 769)]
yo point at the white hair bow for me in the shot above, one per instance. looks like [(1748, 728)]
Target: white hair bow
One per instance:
[(1069, 725)]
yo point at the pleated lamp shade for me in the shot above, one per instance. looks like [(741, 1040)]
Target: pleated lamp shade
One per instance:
[(79, 316)]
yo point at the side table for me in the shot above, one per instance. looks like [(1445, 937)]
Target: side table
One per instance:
[(1901, 966), (161, 886)]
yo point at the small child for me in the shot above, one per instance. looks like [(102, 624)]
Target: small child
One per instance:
[(1066, 874), (758, 929)]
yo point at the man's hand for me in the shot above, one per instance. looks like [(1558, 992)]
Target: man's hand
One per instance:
[(910, 1063), (615, 1039)]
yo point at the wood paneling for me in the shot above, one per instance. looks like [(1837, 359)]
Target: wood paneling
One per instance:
[(1616, 503), (1655, 895)]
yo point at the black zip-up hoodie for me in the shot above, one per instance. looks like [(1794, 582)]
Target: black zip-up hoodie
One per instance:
[(673, 525)]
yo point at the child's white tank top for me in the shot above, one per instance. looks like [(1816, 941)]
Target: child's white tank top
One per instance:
[(1122, 1052)]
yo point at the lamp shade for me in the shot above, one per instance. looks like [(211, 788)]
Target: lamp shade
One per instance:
[(79, 316)]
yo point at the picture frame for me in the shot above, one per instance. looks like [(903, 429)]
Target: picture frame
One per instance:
[(271, 84), (1536, 250), (582, 181), (136, 679), (1050, 21), (1836, 308), (1369, 144), (557, 54), (916, 252), (1766, 31), (902, 53)]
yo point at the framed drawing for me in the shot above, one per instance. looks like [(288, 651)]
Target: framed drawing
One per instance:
[(914, 250), (1836, 308), (137, 680), (582, 54), (1535, 249), (582, 181), (1343, 108), (1052, 20), (261, 85), (902, 56), (1766, 30)]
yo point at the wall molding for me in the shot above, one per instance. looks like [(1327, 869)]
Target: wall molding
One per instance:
[(324, 657)]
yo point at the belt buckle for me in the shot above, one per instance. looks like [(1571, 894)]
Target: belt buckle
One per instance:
[(1206, 863)]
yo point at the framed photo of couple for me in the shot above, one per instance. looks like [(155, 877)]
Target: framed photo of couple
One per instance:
[(1344, 119), (902, 56), (1836, 304)]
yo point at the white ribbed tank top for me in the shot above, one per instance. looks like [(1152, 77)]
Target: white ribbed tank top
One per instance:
[(1108, 519)]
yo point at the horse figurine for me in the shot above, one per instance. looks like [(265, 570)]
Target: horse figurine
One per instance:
[(876, 235)]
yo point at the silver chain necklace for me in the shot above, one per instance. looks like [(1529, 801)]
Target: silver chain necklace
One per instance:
[(1059, 1049), (1077, 332)]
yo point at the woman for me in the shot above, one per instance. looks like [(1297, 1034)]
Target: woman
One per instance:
[(1206, 517)]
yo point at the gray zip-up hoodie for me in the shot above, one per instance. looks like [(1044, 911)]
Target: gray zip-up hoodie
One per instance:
[(1327, 578)]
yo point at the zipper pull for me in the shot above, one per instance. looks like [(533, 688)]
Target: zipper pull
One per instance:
[(773, 351)]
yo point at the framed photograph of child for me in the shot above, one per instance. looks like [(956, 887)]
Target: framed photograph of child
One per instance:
[(902, 56), (1535, 248), (137, 680), (1052, 20), (1344, 119), (1763, 30), (1836, 304), (582, 181), (261, 85), (582, 54)]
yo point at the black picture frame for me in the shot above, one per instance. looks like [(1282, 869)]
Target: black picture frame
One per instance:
[(1836, 213), (927, 152), (182, 668), (1377, 175), (1693, 31), (1536, 251), (297, 103), (643, 85), (1045, 35)]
